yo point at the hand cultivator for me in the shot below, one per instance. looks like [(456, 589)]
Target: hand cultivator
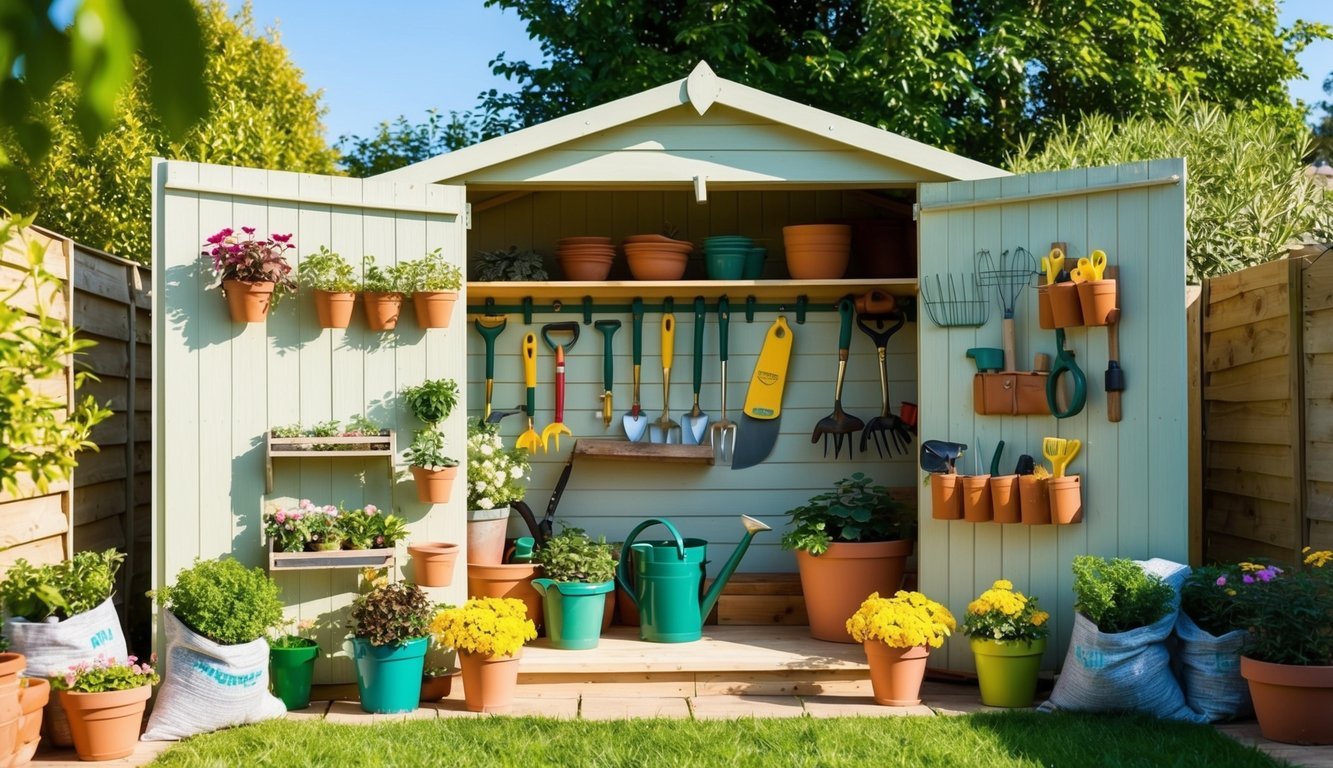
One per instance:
[(885, 426)]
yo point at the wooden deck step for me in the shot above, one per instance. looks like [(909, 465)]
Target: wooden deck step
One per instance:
[(755, 660)]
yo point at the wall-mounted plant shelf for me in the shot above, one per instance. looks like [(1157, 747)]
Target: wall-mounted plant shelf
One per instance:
[(361, 446), (343, 558), (571, 292), (624, 450)]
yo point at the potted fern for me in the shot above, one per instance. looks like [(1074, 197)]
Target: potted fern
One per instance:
[(508, 265), (334, 285), (580, 573), (434, 284), (382, 289)]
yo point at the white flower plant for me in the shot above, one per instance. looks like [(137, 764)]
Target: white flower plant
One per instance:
[(496, 476)]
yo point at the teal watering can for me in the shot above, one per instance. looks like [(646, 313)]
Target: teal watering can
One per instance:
[(667, 577)]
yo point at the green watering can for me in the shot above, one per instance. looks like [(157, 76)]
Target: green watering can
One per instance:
[(667, 577)]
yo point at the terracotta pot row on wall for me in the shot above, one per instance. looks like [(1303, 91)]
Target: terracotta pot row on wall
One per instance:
[(1007, 499), (250, 303)]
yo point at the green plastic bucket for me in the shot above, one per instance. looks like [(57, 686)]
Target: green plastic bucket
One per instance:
[(1007, 670), (291, 670), (573, 611), (389, 676)]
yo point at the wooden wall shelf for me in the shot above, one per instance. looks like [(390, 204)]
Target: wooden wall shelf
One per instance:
[(343, 558), (325, 448), (571, 293), (624, 450)]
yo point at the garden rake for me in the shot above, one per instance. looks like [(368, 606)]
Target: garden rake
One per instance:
[(1009, 276), (886, 426), (530, 441)]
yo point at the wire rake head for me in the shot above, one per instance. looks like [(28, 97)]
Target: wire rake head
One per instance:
[(959, 305), (1008, 276)]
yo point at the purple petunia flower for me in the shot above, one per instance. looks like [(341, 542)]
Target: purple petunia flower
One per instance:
[(248, 230), (1221, 581), (1247, 578)]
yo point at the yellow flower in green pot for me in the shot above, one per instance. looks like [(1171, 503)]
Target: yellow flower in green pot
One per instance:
[(1008, 631)]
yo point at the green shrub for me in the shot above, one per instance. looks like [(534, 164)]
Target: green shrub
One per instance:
[(224, 601), (61, 589), (432, 400), (854, 511), (573, 556), (1118, 595)]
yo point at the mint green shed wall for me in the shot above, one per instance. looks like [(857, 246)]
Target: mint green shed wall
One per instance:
[(1135, 484), (220, 385)]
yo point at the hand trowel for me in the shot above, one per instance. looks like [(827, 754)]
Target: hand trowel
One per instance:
[(758, 429)]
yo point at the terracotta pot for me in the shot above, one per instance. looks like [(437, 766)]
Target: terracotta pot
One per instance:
[(382, 309), (588, 240), (508, 580), (1098, 300), (105, 725), (896, 673), (946, 497), (333, 309), (434, 688), (1004, 499), (1066, 495), (433, 563), (907, 412), (247, 302), (434, 486), (11, 664), (1292, 703), (1045, 318), (883, 248), (11, 715), (976, 498), (875, 302), (656, 265), (838, 581), (434, 308), (489, 682), (608, 610), (34, 693), (1066, 312), (486, 535), (1034, 502), (627, 613), (817, 251), (585, 268)]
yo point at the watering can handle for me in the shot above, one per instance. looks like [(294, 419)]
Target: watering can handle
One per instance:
[(622, 568)]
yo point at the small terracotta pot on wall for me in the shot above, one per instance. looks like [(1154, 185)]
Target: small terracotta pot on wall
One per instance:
[(946, 497), (1098, 300), (433, 562), (333, 309), (247, 302), (1004, 499), (976, 498), (434, 308), (1045, 316), (1066, 496), (434, 486), (1033, 500), (1066, 311), (383, 309)]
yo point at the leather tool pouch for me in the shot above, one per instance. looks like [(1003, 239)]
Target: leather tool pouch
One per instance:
[(1010, 394)]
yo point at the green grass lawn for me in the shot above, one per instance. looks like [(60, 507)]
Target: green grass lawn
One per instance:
[(1017, 739)]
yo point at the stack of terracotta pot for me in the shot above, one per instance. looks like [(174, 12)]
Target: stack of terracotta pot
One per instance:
[(657, 257), (585, 258), (817, 251)]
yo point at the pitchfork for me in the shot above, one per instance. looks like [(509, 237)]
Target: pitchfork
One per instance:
[(722, 434), (885, 426)]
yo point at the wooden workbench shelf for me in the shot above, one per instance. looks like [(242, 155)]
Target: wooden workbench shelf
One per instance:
[(571, 293), (342, 558), (623, 450), (359, 446)]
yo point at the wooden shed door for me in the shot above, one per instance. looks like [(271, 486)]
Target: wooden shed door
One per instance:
[(1135, 472)]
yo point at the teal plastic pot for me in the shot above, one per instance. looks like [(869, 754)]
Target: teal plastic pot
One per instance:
[(291, 670), (725, 263), (388, 677), (754, 263), (573, 611)]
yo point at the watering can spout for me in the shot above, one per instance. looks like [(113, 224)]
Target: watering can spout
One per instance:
[(752, 526)]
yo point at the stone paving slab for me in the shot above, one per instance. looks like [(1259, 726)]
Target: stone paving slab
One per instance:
[(599, 708), (731, 707), (858, 706)]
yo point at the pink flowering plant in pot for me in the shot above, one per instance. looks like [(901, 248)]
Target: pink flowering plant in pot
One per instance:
[(248, 259)]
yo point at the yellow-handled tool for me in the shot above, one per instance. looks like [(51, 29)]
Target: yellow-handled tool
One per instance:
[(664, 429), (1090, 268), (1060, 452), (530, 440), (1052, 264)]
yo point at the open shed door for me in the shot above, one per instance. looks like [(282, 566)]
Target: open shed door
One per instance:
[(220, 386), (1134, 472)]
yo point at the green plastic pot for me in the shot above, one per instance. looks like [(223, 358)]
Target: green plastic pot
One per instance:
[(573, 611), (725, 263), (389, 676), (1007, 670), (291, 670)]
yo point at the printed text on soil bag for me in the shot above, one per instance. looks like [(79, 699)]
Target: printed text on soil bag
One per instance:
[(101, 638), (1090, 658), (224, 678)]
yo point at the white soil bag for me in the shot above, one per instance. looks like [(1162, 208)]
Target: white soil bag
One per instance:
[(52, 648), (1210, 671), (210, 686), (1125, 671)]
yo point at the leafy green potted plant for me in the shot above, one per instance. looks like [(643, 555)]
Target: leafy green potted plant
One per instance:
[(508, 265), (1008, 631), (104, 701), (292, 663), (432, 400), (434, 283), (382, 288), (253, 273), (849, 542), (579, 573), (488, 633), (324, 534), (433, 471), (898, 633), (389, 636), (334, 285), (367, 528)]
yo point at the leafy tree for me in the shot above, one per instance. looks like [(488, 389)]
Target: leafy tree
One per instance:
[(1247, 195), (400, 143), (972, 76), (262, 115), (1321, 147)]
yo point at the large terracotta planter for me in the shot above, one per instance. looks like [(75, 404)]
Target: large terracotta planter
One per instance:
[(817, 251), (434, 308), (896, 673), (105, 725), (1007, 670), (486, 535), (247, 302), (509, 580), (838, 581), (34, 693), (333, 309), (433, 563), (1294, 704), (382, 309), (489, 682), (434, 486)]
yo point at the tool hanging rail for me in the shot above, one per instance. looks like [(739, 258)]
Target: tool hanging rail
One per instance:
[(587, 308)]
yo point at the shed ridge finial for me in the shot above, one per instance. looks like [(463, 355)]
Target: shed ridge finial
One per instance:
[(703, 87)]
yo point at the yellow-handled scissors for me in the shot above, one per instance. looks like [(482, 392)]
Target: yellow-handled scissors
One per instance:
[(1090, 268), (1052, 263)]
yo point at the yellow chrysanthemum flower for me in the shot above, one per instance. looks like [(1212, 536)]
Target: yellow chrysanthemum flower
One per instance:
[(1318, 559), (1002, 584)]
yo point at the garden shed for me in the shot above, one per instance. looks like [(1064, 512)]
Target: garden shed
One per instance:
[(698, 157)]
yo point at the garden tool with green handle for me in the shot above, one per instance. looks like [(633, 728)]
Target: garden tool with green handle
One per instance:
[(490, 327), (1066, 374), (695, 423), (557, 428), (840, 423), (530, 441), (635, 422), (662, 430), (608, 329), (722, 434)]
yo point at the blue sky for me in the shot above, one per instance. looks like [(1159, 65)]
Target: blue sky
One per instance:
[(377, 61)]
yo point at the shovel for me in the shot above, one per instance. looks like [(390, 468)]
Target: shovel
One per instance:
[(662, 430), (695, 423), (530, 441), (636, 424)]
